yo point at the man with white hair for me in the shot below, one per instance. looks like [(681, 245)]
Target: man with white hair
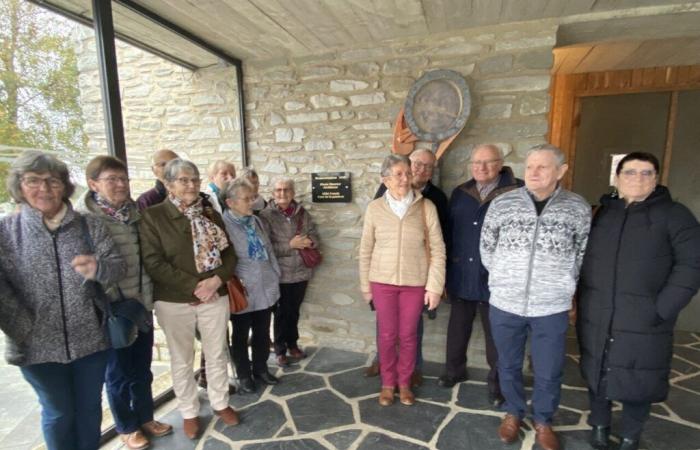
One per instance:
[(467, 280), (532, 243)]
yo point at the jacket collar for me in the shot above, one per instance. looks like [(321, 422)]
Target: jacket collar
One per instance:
[(86, 203), (507, 182), (35, 219)]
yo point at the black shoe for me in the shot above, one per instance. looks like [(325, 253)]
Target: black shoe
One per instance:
[(267, 378), (599, 437), (629, 444), (448, 381), (246, 385), (496, 399)]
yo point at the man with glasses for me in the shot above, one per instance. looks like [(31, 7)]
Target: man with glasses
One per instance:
[(422, 165), (532, 243), (156, 194), (467, 280)]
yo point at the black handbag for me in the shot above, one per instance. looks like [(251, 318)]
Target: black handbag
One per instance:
[(118, 316)]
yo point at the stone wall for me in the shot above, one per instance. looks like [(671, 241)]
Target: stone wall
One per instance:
[(333, 112)]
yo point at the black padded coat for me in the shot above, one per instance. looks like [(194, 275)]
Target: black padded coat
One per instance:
[(641, 268)]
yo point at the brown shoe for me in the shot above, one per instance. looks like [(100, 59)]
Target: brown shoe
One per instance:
[(135, 440), (406, 396), (386, 396), (416, 379), (372, 370), (297, 353), (228, 416), (157, 429), (282, 361), (191, 427), (508, 431), (546, 437)]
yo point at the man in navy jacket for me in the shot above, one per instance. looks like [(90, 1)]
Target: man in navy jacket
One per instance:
[(467, 279)]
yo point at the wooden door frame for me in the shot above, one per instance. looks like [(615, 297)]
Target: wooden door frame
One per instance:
[(568, 89)]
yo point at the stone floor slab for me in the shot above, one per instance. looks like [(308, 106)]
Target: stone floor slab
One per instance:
[(329, 360), (342, 440), (353, 383), (472, 432), (685, 404), (418, 421), (378, 441), (260, 421), (319, 411), (297, 383), (474, 396), (663, 434), (298, 444)]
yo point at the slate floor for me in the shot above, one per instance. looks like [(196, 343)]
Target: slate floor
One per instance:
[(324, 402)]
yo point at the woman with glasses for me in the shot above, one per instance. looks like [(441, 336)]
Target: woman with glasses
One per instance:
[(402, 267), (48, 302), (642, 267), (128, 378), (189, 258)]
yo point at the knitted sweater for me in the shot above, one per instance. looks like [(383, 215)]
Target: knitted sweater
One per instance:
[(63, 324), (392, 250), (534, 261)]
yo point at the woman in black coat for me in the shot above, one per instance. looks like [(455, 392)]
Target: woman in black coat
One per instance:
[(642, 267)]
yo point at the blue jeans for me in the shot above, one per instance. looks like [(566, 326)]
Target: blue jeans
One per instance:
[(128, 381), (71, 400), (548, 346)]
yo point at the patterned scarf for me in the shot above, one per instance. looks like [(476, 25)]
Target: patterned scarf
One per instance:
[(256, 248), (208, 238), (119, 214)]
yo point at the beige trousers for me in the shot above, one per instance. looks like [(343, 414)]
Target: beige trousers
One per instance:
[(179, 321)]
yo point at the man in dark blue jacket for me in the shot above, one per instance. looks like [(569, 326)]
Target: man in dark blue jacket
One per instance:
[(467, 279)]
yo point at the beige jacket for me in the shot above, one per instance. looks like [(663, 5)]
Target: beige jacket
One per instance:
[(393, 250)]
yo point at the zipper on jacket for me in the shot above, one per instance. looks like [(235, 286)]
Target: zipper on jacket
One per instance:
[(60, 293), (534, 246)]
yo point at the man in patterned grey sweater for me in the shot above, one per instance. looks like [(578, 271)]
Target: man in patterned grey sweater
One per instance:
[(532, 243)]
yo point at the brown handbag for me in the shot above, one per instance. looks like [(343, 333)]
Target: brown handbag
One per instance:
[(237, 295), (310, 256)]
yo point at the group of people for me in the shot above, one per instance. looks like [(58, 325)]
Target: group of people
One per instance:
[(172, 250), (531, 258)]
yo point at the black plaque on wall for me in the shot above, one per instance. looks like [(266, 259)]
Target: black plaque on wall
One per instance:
[(331, 187)]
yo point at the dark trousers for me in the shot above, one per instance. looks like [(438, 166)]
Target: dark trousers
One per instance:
[(71, 400), (287, 316), (128, 381), (548, 345), (259, 323), (459, 331)]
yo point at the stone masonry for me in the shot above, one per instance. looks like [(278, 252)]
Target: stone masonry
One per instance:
[(333, 112)]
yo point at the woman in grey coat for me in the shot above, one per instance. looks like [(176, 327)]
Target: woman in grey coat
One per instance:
[(259, 272), (49, 252)]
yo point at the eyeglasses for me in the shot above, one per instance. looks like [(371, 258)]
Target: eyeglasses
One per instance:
[(186, 181), (631, 173), (115, 180), (422, 166), (400, 175), (490, 162), (282, 190), (37, 182)]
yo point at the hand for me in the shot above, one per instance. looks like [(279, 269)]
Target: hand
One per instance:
[(367, 296), (300, 241), (85, 265), (572, 316), (431, 299), (206, 289)]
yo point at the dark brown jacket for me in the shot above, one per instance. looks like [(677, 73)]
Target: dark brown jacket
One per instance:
[(168, 255)]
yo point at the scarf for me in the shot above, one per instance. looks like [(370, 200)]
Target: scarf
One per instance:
[(256, 248), (208, 239), (289, 210), (119, 214), (400, 207)]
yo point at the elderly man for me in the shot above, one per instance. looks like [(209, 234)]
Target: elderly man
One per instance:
[(532, 243), (467, 280), (219, 173), (156, 194), (422, 166)]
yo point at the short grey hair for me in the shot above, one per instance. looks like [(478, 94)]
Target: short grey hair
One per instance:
[(175, 166), (553, 149), (234, 187), (422, 150), (37, 162), (284, 180), (219, 164), (392, 160), (493, 147)]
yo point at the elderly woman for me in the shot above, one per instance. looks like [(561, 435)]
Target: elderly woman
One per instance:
[(56, 336), (128, 376), (291, 229), (402, 267), (252, 176), (259, 272), (642, 267), (189, 258), (219, 173)]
